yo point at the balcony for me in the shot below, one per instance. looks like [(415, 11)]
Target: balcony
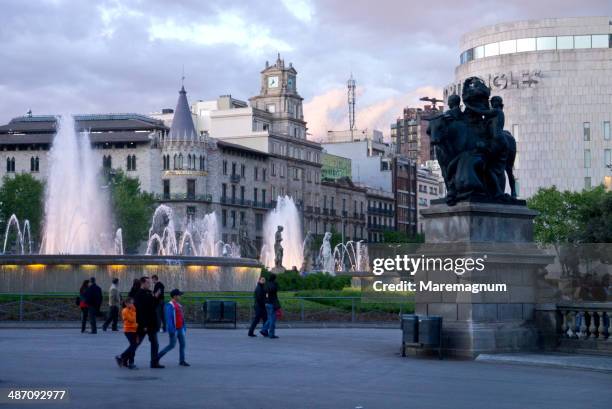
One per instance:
[(235, 178), (309, 209), (326, 212), (332, 212), (380, 211), (344, 213), (235, 201), (177, 197), (317, 210)]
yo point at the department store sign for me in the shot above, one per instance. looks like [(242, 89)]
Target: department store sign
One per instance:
[(502, 81)]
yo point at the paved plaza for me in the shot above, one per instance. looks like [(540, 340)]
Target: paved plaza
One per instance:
[(305, 368)]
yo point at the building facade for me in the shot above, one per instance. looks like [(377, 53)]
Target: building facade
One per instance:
[(555, 76), (409, 134)]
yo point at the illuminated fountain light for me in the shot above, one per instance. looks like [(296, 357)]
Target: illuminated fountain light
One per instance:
[(287, 215)]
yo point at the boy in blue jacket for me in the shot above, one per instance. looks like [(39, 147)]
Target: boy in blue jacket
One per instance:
[(175, 326)]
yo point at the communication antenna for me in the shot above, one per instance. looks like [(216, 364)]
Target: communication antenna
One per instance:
[(351, 103)]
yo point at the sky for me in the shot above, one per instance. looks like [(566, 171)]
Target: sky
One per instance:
[(128, 56)]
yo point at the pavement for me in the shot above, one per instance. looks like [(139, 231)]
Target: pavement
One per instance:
[(304, 368), (573, 361)]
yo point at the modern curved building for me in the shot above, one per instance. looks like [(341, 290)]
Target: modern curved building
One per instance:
[(555, 76)]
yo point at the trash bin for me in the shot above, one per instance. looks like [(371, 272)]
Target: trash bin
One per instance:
[(229, 311), (410, 330), (213, 311), (430, 332)]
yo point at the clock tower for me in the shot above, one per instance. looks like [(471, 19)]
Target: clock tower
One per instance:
[(280, 99)]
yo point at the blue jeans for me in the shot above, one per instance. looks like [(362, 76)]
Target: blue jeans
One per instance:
[(180, 334), (270, 324)]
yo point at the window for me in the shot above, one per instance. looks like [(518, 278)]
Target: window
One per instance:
[(131, 162), (225, 167), (233, 217), (10, 164), (259, 221), (191, 213), (525, 44), (223, 191), (587, 182), (491, 49), (34, 164), (107, 162), (180, 161), (587, 158), (256, 173), (224, 217), (271, 108), (263, 174), (263, 196), (242, 170), (607, 157), (478, 52), (546, 43), (191, 189), (166, 189), (606, 130), (274, 169), (255, 195), (242, 194), (233, 168), (586, 131), (600, 41), (565, 42), (582, 41)]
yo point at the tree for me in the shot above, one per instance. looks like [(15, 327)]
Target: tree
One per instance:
[(132, 209), (23, 196)]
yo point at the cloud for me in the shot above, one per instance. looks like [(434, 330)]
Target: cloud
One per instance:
[(329, 110), (300, 9), (229, 29)]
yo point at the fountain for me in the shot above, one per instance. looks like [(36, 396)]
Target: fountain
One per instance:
[(73, 195), (351, 256), (286, 215), (78, 239)]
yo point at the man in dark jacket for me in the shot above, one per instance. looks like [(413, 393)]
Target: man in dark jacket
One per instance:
[(260, 305), (159, 288), (272, 305), (146, 317), (93, 298)]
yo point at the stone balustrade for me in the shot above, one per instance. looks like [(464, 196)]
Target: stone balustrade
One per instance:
[(586, 320)]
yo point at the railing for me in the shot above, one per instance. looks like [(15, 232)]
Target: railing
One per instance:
[(235, 178), (353, 309), (384, 212), (586, 320), (184, 196)]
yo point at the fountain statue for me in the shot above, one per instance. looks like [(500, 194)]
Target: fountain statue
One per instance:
[(285, 214), (307, 246), (247, 248), (326, 257), (278, 251)]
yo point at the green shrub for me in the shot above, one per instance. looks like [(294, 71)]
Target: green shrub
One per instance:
[(292, 280)]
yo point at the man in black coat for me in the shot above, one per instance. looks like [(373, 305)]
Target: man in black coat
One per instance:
[(146, 316), (93, 299), (158, 288), (260, 305)]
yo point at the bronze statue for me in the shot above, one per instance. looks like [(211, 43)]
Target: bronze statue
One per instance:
[(473, 149), (278, 248)]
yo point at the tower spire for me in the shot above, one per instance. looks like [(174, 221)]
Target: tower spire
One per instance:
[(351, 103)]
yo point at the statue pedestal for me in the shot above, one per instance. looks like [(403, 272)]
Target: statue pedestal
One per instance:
[(277, 270), (487, 321)]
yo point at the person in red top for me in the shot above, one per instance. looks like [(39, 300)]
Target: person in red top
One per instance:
[(175, 326), (83, 305)]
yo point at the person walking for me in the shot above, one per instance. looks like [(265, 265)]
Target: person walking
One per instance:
[(135, 288), (159, 288), (130, 329), (260, 305), (114, 300), (272, 306), (175, 321), (93, 298), (146, 317), (83, 304)]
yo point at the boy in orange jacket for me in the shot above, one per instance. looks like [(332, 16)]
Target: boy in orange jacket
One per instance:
[(126, 359)]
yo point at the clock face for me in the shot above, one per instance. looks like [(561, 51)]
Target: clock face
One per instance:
[(290, 83), (272, 81)]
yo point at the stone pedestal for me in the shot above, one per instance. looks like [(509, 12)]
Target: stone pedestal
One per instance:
[(500, 235)]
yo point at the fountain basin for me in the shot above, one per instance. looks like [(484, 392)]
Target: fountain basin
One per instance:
[(65, 273)]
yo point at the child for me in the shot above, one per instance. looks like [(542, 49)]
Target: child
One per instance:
[(175, 325), (126, 359)]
